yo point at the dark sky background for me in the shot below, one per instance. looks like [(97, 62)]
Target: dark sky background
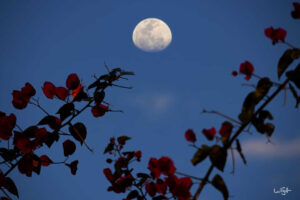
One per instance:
[(47, 40)]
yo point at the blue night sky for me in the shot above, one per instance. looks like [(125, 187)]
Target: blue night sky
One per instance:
[(47, 40)]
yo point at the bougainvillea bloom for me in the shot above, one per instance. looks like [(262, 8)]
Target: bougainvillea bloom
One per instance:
[(234, 73), (161, 186), (166, 166), (49, 90), (190, 135), (138, 155), (226, 129), (77, 90), (45, 160), (151, 189), (7, 124), (247, 69), (209, 133), (121, 184), (180, 187), (61, 93), (69, 147), (108, 174), (73, 166), (296, 13), (72, 81), (153, 167), (25, 165), (275, 34), (22, 98), (99, 110)]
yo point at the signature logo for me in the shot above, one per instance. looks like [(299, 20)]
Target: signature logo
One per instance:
[(282, 191)]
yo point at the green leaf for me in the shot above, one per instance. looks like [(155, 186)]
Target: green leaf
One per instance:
[(10, 186), (219, 184), (295, 95), (239, 149), (201, 154), (286, 59), (78, 131), (218, 156)]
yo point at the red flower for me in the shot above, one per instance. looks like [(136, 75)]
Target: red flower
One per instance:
[(22, 142), (45, 160), (122, 184), (22, 98), (234, 73), (161, 186), (247, 69), (153, 167), (108, 174), (275, 34), (73, 166), (151, 189), (226, 129), (190, 135), (28, 91), (49, 90), (99, 110), (61, 93), (209, 133), (180, 187), (296, 13), (166, 166), (69, 147), (138, 155), (7, 124), (72, 81), (25, 165)]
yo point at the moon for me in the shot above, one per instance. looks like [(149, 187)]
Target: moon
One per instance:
[(152, 35)]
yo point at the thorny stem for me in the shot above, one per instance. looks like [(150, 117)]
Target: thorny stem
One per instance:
[(237, 133)]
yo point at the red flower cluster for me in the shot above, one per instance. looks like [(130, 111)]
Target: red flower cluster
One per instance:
[(209, 133), (7, 124), (162, 166), (50, 90), (22, 98), (296, 13), (190, 135), (118, 185), (45, 160), (275, 34), (247, 69), (179, 187)]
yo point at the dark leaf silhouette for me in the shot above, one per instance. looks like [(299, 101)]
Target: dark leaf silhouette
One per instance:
[(10, 186), (219, 184), (294, 76), (201, 154), (286, 59), (66, 110), (218, 157), (239, 149), (78, 131), (69, 147), (295, 94), (133, 194)]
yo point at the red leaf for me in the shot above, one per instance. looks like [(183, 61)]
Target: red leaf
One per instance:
[(19, 101), (49, 90), (72, 82), (99, 110), (166, 166), (151, 189), (61, 93), (69, 147), (108, 174), (226, 129), (28, 91), (296, 13), (275, 34), (7, 124)]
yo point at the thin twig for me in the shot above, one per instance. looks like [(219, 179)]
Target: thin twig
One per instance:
[(221, 114)]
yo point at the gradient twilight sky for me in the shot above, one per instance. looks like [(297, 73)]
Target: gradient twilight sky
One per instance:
[(47, 40)]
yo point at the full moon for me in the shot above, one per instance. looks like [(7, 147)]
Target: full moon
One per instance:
[(152, 35)]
